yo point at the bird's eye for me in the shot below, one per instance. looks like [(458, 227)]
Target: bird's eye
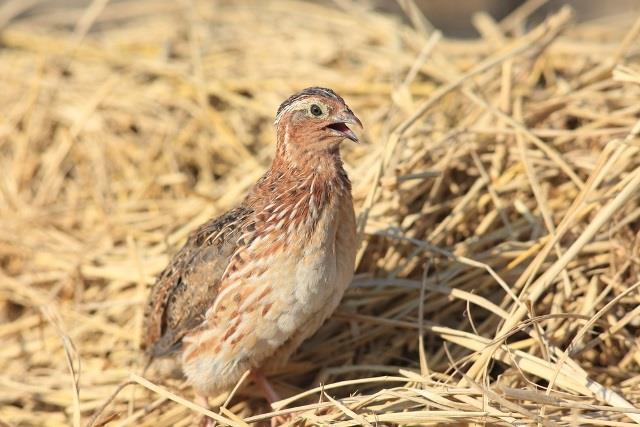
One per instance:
[(315, 110)]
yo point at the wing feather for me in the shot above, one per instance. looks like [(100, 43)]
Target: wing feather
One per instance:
[(189, 284)]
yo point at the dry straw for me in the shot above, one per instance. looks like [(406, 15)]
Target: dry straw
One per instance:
[(497, 192)]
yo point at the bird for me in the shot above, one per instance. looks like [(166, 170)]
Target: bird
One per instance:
[(248, 287)]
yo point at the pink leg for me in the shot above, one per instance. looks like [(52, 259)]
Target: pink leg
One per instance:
[(204, 402), (269, 394), (266, 387)]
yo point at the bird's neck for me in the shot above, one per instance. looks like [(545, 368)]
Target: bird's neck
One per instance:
[(307, 158), (291, 178), (299, 192)]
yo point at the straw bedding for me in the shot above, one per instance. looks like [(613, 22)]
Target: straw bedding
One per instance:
[(497, 193)]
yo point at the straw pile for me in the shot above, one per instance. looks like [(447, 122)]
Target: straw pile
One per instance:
[(497, 192)]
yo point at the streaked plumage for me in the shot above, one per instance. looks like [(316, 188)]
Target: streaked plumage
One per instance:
[(249, 286)]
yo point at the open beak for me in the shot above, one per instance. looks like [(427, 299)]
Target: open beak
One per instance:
[(346, 117)]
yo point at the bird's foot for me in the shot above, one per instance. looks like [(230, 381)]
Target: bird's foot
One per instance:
[(206, 422), (280, 420)]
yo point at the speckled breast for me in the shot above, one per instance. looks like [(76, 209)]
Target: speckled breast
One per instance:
[(289, 282)]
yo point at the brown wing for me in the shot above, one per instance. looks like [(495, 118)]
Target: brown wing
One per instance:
[(188, 286)]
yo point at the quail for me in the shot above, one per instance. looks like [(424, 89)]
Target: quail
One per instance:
[(249, 286)]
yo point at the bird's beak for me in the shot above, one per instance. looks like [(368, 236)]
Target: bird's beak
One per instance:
[(346, 117)]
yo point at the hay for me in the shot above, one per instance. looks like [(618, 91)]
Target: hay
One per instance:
[(497, 192)]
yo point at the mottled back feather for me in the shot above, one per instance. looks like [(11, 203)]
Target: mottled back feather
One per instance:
[(188, 286)]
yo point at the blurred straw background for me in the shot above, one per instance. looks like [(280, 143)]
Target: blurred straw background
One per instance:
[(498, 279)]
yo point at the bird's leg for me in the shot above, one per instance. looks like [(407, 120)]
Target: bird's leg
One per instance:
[(265, 386), (205, 421), (270, 394)]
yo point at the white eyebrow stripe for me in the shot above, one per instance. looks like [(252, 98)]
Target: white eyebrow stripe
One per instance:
[(288, 104)]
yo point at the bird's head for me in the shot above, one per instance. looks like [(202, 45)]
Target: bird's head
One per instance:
[(314, 120)]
